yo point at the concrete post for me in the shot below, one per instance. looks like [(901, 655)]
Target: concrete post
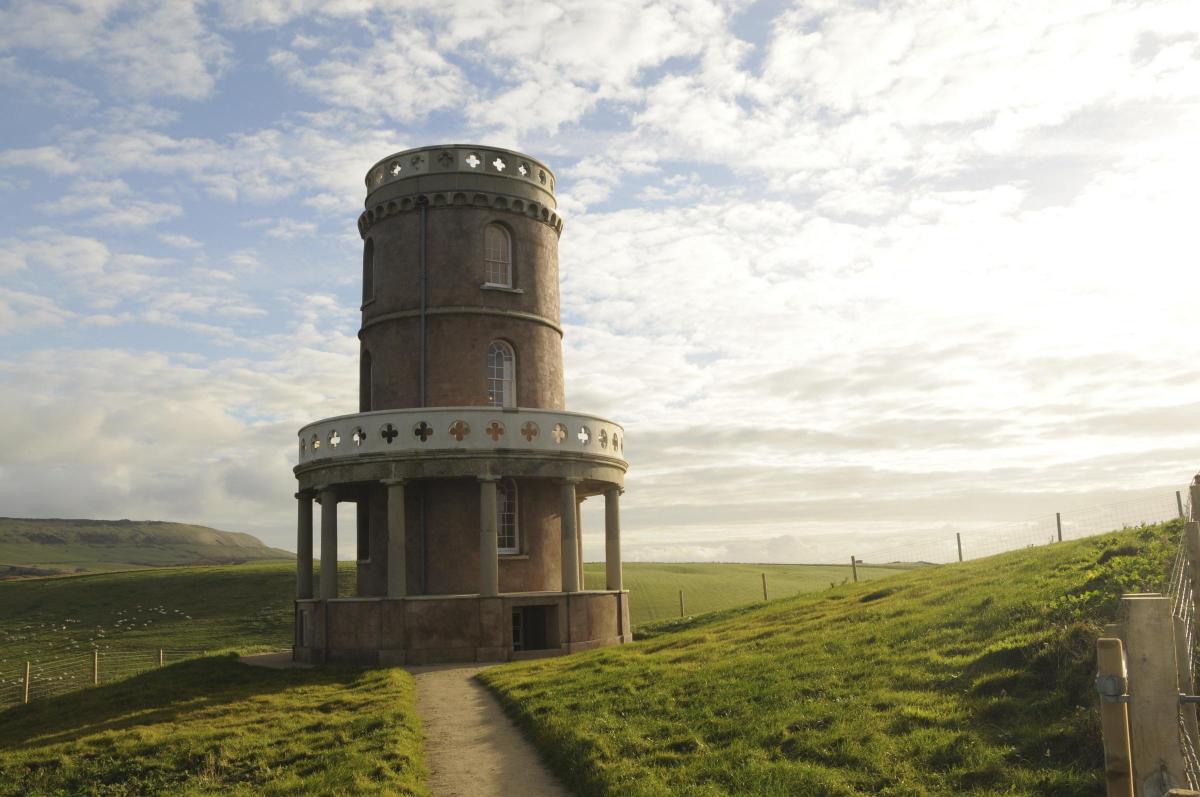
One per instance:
[(304, 546), (397, 563), (570, 554), (489, 561), (579, 540), (329, 536), (1194, 494), (612, 539)]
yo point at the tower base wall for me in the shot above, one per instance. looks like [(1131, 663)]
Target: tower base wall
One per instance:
[(458, 628)]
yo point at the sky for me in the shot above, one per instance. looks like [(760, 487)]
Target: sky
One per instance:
[(843, 270)]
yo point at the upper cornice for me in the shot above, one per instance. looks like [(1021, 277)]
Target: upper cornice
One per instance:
[(462, 167)]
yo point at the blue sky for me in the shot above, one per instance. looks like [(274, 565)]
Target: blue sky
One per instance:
[(895, 267)]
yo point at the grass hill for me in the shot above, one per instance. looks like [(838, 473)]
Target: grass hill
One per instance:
[(51, 546), (214, 726), (966, 679)]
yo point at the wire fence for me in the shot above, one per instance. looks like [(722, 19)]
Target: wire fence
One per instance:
[(1073, 524), (27, 681)]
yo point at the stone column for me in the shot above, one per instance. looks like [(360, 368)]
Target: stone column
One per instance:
[(397, 562), (489, 560), (570, 553), (612, 538), (304, 548), (579, 539), (329, 504)]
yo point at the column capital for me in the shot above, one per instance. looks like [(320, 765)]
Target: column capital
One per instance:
[(572, 480), (488, 477), (390, 482), (302, 494)]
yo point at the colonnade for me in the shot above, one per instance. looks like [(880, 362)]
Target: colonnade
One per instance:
[(489, 559)]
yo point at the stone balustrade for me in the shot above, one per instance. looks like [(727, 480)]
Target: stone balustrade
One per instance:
[(413, 432)]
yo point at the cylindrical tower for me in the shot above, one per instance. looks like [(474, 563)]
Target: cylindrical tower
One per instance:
[(465, 467)]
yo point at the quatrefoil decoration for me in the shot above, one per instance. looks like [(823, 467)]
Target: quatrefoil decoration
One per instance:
[(335, 439), (523, 169), (603, 438), (446, 159), (388, 433), (495, 430), (616, 442), (529, 430), (473, 160), (459, 430), (499, 164), (315, 443), (378, 176), (358, 436), (584, 435), (559, 432), (542, 176), (416, 161), (302, 446), (395, 169), (422, 431)]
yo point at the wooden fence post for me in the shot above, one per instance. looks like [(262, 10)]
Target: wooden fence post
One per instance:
[(27, 669), (1058, 523), (854, 569), (1153, 694), (1114, 718), (1191, 548), (160, 657), (95, 667), (1187, 686), (681, 603), (764, 575), (1179, 503), (958, 538)]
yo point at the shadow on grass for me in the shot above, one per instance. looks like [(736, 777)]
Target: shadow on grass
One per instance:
[(162, 695)]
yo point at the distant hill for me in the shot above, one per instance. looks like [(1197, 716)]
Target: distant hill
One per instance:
[(53, 546)]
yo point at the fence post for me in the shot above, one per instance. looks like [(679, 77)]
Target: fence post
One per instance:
[(95, 667), (1114, 718), (1058, 522), (1179, 503), (958, 538), (854, 569), (27, 669), (1153, 694), (681, 603), (160, 657), (764, 575), (1187, 686)]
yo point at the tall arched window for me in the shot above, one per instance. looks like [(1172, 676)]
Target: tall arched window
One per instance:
[(364, 381), (501, 375), (497, 256), (368, 271), (508, 539)]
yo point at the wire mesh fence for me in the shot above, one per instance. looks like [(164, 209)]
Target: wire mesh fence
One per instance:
[(25, 682)]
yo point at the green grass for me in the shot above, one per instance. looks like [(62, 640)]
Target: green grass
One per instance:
[(654, 587), (211, 726), (49, 546), (968, 679)]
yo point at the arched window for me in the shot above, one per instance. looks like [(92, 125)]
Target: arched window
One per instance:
[(368, 271), (497, 256), (501, 375), (364, 381), (508, 540)]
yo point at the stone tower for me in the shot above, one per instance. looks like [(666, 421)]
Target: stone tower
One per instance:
[(466, 469)]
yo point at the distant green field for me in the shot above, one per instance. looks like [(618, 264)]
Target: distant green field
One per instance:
[(214, 726), (654, 587), (49, 546)]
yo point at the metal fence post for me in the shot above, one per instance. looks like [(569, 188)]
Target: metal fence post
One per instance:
[(95, 667), (160, 657), (27, 672), (1058, 522), (958, 539)]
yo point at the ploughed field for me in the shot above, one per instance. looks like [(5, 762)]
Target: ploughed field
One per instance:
[(966, 679)]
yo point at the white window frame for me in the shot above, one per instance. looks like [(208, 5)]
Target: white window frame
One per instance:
[(507, 520), (497, 258), (501, 374)]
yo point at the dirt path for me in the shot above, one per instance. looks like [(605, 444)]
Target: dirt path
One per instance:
[(471, 748)]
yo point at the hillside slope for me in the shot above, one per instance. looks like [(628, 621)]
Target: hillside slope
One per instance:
[(48, 546), (969, 679)]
